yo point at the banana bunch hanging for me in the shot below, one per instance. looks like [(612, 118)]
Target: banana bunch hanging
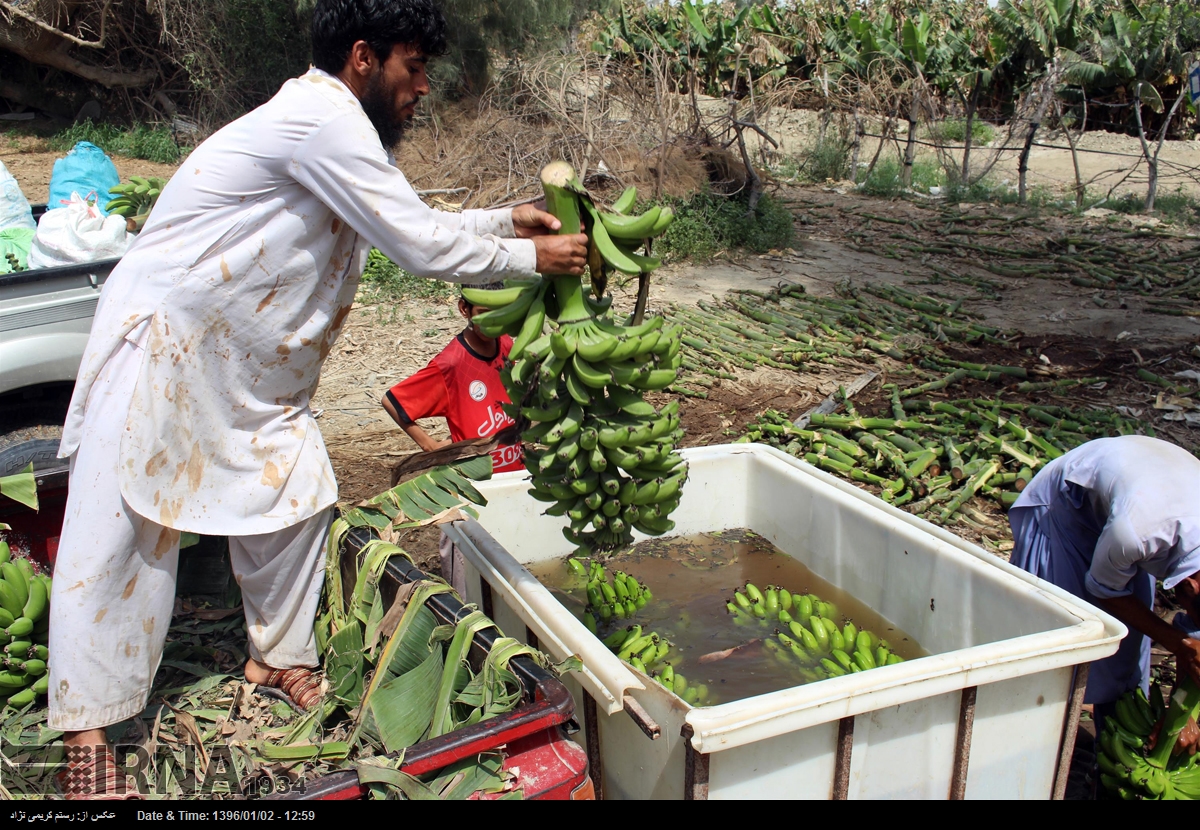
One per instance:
[(24, 626), (135, 199), (1129, 768), (598, 452)]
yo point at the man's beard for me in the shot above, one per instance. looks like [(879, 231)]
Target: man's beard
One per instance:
[(379, 104)]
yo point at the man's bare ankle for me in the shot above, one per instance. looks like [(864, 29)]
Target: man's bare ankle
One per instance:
[(257, 671), (87, 737)]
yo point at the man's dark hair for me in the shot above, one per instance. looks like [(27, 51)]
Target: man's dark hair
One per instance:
[(338, 24)]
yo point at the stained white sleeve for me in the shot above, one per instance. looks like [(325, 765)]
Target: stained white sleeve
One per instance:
[(479, 222), (342, 164), (1119, 551)]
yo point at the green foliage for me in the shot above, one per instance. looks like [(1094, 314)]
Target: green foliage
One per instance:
[(142, 141), (828, 158), (955, 129), (1176, 207), (260, 44), (707, 224), (385, 282), (965, 50), (476, 30), (884, 180)]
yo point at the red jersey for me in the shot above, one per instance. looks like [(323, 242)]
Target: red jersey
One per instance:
[(463, 387)]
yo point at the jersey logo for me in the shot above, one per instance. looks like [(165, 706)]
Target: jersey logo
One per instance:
[(495, 421), (477, 390)]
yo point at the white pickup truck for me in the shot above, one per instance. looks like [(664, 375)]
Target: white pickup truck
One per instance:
[(45, 317)]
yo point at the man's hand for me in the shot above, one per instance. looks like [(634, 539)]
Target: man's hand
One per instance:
[(1187, 741), (561, 254), (1187, 657), (532, 220)]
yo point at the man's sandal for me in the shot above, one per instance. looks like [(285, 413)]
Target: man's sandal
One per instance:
[(301, 686), (92, 774)]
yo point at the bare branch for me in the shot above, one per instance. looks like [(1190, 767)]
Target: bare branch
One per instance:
[(57, 32)]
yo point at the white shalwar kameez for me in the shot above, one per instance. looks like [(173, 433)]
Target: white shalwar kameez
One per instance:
[(191, 411)]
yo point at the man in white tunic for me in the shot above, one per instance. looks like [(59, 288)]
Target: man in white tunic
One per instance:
[(191, 411)]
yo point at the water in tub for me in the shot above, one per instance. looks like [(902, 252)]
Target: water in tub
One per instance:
[(726, 656)]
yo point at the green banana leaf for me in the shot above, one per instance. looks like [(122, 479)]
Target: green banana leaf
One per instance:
[(399, 712), (335, 750), (411, 787), (424, 497), (453, 672), (344, 666), (405, 651), (459, 781), (21, 487)]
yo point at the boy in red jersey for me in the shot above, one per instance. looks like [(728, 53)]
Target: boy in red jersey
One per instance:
[(462, 384)]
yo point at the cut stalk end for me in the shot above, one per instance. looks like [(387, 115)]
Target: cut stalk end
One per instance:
[(558, 174)]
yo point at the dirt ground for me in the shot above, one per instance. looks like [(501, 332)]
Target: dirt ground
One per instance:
[(31, 161)]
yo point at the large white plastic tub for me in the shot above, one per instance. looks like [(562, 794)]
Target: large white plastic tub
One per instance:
[(982, 717)]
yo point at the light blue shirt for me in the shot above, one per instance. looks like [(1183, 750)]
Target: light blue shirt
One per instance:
[(1131, 502)]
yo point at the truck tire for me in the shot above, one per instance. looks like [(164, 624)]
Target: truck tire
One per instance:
[(34, 442)]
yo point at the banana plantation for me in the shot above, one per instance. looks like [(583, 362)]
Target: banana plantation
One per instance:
[(1117, 65)]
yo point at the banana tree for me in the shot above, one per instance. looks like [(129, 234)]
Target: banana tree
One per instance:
[(1039, 39), (915, 48), (1145, 51)]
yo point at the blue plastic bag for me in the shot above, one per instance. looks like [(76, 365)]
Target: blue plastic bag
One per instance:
[(85, 170)]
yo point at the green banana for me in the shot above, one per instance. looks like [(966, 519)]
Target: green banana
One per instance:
[(625, 201), (19, 627), (803, 605), (631, 227), (665, 217), (17, 579), (497, 321), (553, 413), (595, 345), (820, 633), (589, 374), (531, 329), (22, 698), (612, 254), (497, 298), (8, 598)]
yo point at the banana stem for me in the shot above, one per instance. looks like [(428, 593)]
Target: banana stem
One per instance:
[(572, 308), (1185, 704)]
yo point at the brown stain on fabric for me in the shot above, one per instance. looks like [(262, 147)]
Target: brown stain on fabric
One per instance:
[(271, 477), (128, 592), (266, 301), (226, 274), (337, 226), (148, 625), (332, 332), (195, 468), (156, 463), (100, 615), (166, 538)]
